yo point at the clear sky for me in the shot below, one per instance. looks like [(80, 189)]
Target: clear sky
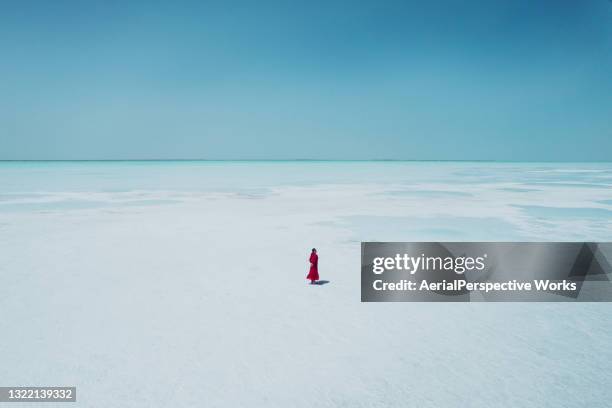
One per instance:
[(441, 80)]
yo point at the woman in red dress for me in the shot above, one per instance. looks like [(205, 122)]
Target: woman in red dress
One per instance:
[(313, 275)]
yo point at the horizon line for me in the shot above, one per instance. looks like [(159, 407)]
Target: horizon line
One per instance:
[(305, 160)]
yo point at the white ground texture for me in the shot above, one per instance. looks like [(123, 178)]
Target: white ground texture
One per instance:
[(183, 285)]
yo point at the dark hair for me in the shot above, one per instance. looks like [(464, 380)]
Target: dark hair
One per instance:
[(314, 249)]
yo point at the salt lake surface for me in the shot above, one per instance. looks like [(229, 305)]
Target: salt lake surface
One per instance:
[(180, 284)]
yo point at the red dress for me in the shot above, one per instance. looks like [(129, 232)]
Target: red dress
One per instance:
[(314, 267)]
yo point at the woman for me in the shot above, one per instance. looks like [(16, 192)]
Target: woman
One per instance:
[(313, 275)]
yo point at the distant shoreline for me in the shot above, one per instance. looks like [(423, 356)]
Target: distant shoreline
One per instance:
[(298, 161)]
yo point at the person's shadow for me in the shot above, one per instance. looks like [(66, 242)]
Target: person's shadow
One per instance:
[(321, 282)]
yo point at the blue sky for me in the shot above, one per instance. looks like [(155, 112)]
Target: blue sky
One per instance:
[(443, 80)]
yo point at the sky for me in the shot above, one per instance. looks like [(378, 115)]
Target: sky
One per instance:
[(442, 80)]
